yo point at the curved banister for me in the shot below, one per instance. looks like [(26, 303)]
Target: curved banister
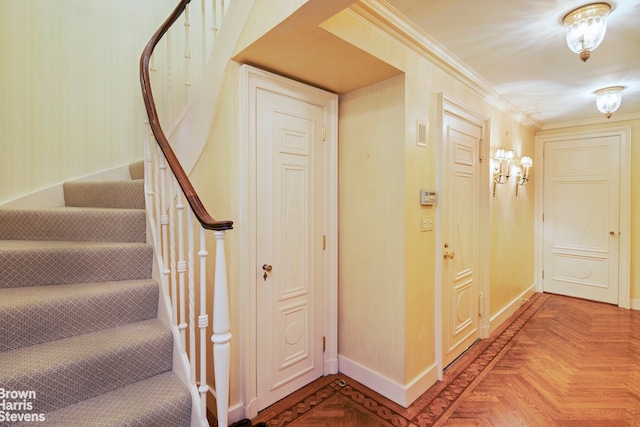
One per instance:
[(206, 220)]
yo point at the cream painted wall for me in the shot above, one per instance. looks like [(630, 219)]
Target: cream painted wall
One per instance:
[(371, 216), (423, 81), (71, 102), (635, 193), (512, 219)]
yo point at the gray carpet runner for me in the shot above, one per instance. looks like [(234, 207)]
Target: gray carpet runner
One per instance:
[(80, 340)]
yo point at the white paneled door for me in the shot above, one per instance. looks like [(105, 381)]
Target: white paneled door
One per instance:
[(581, 217), (461, 235), (290, 196)]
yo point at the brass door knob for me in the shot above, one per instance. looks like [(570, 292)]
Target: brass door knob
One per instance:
[(449, 255), (267, 268)]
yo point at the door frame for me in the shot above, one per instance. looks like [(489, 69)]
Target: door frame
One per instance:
[(624, 167), (446, 104), (251, 78)]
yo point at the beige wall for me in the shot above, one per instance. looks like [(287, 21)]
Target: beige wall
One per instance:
[(512, 233), (409, 311), (371, 226), (71, 102), (635, 193)]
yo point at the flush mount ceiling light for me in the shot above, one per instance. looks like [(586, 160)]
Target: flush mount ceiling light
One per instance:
[(586, 26), (608, 99)]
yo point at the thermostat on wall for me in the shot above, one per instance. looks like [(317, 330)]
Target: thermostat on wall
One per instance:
[(428, 198)]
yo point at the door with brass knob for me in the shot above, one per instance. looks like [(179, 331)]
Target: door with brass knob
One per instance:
[(290, 179), (460, 229)]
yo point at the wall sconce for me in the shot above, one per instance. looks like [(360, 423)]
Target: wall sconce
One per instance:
[(523, 173), (585, 27), (501, 167), (608, 99)]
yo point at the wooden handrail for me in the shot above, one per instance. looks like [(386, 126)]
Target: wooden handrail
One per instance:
[(206, 220)]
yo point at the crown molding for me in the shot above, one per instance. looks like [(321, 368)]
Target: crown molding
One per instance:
[(594, 121), (385, 17)]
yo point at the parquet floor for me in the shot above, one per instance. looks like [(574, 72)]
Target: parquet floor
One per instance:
[(559, 361)]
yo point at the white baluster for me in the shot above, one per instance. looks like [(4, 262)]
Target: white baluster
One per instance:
[(157, 191), (187, 50), (164, 222), (181, 268), (192, 298), (203, 322), (219, 14), (148, 165), (221, 332), (203, 32), (169, 93), (172, 252)]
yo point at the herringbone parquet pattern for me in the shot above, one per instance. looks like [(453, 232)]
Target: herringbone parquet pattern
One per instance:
[(558, 362)]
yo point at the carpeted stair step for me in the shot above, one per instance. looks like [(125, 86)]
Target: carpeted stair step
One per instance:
[(37, 314), (75, 369), (80, 224), (108, 194), (160, 401), (136, 169), (36, 263)]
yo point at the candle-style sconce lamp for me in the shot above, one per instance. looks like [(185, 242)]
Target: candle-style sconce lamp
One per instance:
[(501, 167), (526, 163)]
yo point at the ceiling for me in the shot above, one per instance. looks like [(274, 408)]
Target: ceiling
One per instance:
[(519, 48)]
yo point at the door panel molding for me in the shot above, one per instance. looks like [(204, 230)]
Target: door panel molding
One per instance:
[(624, 236), (450, 106), (249, 79)]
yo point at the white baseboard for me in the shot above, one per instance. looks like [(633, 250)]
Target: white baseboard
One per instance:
[(403, 395), (53, 196), (500, 317), (635, 304), (331, 366), (238, 412)]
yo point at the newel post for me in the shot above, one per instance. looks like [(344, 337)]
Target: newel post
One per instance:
[(221, 332)]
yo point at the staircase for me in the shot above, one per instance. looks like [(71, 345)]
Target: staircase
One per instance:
[(81, 343)]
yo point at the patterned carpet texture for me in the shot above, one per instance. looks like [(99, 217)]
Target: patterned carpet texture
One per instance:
[(80, 343)]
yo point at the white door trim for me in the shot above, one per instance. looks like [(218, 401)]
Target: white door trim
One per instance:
[(624, 259), (250, 77), (449, 105)]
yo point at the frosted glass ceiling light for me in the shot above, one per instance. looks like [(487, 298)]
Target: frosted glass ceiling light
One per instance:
[(586, 26), (608, 99)]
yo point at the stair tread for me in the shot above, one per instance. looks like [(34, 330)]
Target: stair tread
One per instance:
[(46, 313), (73, 223), (159, 401), (20, 297), (62, 244), (73, 369), (38, 263), (27, 359), (107, 194)]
